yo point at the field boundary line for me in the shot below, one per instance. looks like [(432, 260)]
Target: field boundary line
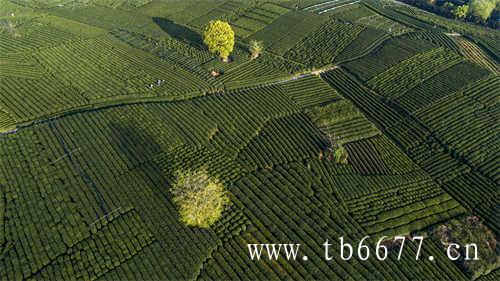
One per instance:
[(126, 101), (336, 7)]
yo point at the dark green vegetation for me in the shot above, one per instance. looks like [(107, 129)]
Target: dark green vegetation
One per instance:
[(102, 102), (466, 230), (485, 12)]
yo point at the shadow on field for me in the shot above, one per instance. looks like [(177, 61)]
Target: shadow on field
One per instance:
[(139, 148), (134, 142), (179, 32)]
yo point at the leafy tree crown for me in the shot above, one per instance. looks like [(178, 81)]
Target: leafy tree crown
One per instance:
[(199, 198), (219, 38), (256, 48)]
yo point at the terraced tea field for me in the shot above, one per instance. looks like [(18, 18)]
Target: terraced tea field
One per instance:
[(358, 118)]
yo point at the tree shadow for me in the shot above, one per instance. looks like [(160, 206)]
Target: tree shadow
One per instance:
[(146, 187), (179, 32), (140, 149), (135, 143)]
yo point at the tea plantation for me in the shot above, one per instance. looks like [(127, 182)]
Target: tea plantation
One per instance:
[(103, 101)]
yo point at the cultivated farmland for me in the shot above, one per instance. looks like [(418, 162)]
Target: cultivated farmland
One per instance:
[(356, 118)]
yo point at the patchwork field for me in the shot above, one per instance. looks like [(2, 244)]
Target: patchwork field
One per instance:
[(358, 118)]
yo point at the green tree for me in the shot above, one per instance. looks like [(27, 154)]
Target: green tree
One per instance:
[(256, 48), (482, 8), (461, 12), (468, 230), (200, 198), (219, 38), (337, 150), (340, 155), (10, 27)]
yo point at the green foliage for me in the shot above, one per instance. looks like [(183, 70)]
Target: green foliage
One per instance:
[(460, 12), (200, 198), (482, 8), (470, 230), (219, 38), (256, 48), (340, 155), (9, 27)]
